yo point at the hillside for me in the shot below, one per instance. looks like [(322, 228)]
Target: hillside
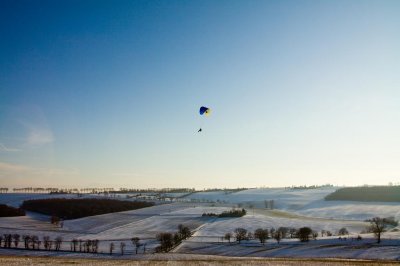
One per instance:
[(377, 193)]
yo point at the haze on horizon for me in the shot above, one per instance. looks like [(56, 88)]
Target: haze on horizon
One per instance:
[(106, 93)]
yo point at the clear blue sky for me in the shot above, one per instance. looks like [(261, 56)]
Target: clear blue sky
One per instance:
[(106, 93)]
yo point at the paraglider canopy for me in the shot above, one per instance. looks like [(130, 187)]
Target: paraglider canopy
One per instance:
[(205, 111)]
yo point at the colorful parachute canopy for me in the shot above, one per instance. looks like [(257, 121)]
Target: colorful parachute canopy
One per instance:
[(205, 110)]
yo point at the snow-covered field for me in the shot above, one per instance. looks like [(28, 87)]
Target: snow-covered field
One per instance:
[(309, 202), (294, 208)]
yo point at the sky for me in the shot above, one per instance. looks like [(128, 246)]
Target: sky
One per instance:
[(107, 93)]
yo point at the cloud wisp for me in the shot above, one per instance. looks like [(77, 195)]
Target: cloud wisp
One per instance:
[(40, 136), (4, 148)]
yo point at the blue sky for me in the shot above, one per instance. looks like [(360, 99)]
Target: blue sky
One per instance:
[(106, 93)]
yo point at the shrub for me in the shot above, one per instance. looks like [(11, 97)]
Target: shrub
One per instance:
[(343, 231)]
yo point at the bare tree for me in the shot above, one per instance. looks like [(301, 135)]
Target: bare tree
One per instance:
[(46, 242), (95, 246), (34, 241), (26, 239), (228, 237), (304, 234), (284, 231), (166, 241), (240, 234), (7, 240), (16, 238), (261, 235), (292, 232), (88, 245), (111, 248), (122, 246), (136, 243), (57, 243), (272, 231), (377, 226), (74, 244), (277, 236)]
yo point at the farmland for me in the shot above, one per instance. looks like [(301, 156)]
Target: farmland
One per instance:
[(293, 209)]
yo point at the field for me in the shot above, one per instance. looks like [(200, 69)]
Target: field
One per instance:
[(292, 208), (186, 260)]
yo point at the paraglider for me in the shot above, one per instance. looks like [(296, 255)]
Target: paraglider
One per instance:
[(204, 111)]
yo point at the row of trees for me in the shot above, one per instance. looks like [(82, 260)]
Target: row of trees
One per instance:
[(135, 242), (377, 226), (168, 241), (303, 234), (231, 213), (262, 235), (30, 241), (154, 190), (77, 208), (33, 242), (309, 187), (8, 211), (60, 190)]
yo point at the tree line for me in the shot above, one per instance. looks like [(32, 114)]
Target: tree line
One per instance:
[(8, 211), (33, 242), (377, 226), (225, 214), (374, 193), (170, 240), (78, 208)]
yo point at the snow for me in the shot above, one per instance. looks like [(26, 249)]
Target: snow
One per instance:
[(312, 249), (251, 222), (308, 202), (297, 208)]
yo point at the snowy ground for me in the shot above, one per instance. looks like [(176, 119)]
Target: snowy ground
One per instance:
[(296, 208), (327, 248), (309, 202)]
